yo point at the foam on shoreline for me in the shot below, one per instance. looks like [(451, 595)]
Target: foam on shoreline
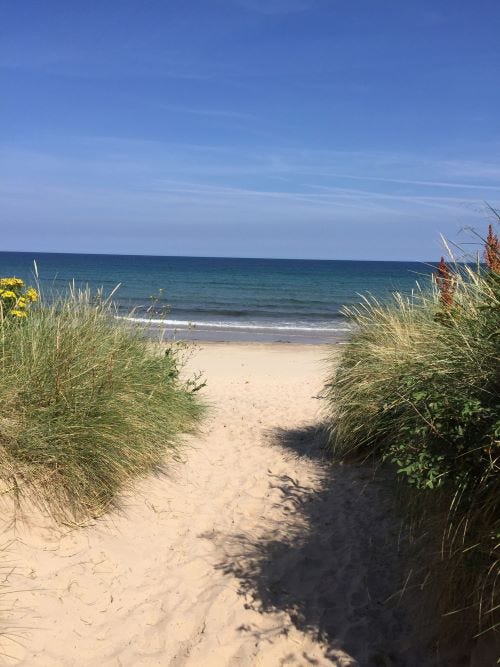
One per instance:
[(248, 332)]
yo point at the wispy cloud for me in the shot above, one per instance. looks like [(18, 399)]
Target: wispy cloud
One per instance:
[(479, 169), (431, 184), (211, 113), (174, 190), (245, 167)]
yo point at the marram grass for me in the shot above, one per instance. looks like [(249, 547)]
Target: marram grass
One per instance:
[(87, 406), (418, 385)]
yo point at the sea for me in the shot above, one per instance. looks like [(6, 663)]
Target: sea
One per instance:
[(226, 299)]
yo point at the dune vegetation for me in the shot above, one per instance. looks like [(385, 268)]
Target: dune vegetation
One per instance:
[(88, 402), (418, 387)]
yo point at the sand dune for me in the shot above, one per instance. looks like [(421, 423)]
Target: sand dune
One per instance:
[(254, 551)]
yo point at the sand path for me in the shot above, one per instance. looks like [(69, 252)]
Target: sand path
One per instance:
[(255, 551)]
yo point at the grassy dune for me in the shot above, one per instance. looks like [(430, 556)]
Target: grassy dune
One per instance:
[(419, 386), (88, 405)]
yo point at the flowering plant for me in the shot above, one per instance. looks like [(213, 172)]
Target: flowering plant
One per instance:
[(15, 299)]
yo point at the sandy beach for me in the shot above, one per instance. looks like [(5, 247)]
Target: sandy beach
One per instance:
[(254, 550)]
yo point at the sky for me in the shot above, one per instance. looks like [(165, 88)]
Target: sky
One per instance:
[(330, 129)]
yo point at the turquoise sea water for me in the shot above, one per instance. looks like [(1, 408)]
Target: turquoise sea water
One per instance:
[(227, 299)]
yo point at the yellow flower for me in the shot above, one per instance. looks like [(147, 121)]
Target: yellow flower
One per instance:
[(18, 313), (11, 282), (31, 294), (8, 294)]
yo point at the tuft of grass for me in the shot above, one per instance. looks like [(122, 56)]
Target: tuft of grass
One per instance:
[(88, 404), (418, 385)]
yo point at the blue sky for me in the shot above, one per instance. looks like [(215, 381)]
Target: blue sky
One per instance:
[(329, 129)]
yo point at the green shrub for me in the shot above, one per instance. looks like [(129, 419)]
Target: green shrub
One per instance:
[(418, 385), (88, 404)]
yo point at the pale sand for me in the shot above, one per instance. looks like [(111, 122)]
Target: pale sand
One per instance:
[(255, 551)]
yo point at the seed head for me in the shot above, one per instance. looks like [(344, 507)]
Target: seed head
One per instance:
[(446, 283), (492, 251)]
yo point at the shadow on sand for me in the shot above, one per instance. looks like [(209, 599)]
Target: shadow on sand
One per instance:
[(332, 564)]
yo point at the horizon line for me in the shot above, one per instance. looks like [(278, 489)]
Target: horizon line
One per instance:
[(295, 259)]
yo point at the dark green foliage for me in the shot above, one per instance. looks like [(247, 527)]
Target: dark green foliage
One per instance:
[(418, 386)]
